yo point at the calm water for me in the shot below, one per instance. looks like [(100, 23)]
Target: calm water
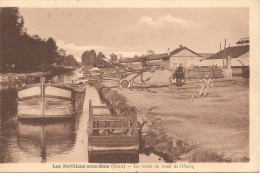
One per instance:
[(54, 141)]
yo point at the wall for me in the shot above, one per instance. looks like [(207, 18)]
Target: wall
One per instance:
[(237, 68), (166, 64), (185, 61), (210, 62), (155, 62), (184, 57), (137, 65), (237, 71)]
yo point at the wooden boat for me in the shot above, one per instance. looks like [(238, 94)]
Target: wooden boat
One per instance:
[(46, 100), (89, 77), (82, 80), (112, 134)]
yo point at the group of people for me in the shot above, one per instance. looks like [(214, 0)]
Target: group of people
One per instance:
[(179, 75)]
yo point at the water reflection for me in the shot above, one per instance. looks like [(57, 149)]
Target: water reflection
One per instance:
[(45, 139), (8, 110), (58, 141), (8, 104), (64, 78)]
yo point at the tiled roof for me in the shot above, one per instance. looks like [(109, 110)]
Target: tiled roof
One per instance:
[(206, 55), (245, 55), (182, 48), (233, 52), (158, 56), (150, 57)]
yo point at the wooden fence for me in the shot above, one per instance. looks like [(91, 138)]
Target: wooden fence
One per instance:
[(199, 73)]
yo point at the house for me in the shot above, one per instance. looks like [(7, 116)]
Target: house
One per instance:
[(153, 60), (131, 62), (239, 56), (182, 56), (156, 59)]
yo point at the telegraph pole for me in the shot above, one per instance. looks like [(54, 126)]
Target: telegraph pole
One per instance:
[(224, 52)]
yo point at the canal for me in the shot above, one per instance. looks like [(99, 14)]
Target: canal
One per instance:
[(55, 141)]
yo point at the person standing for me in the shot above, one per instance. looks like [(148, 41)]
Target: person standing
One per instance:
[(207, 83), (179, 74)]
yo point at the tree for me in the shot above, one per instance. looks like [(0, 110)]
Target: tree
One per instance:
[(61, 57), (135, 56), (51, 51), (11, 28), (120, 56), (100, 62), (113, 57), (150, 52), (71, 61), (88, 58), (38, 50), (19, 50)]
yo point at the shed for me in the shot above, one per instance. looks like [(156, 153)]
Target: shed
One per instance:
[(239, 56)]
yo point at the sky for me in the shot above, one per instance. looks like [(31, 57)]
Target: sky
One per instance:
[(130, 31)]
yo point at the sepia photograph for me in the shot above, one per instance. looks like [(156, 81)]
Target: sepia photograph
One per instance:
[(122, 85)]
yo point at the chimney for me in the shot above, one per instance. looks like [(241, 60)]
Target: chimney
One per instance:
[(168, 51)]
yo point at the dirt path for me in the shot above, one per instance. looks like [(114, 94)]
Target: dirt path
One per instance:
[(219, 122)]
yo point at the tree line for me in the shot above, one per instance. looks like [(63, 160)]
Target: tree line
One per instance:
[(91, 59), (20, 51)]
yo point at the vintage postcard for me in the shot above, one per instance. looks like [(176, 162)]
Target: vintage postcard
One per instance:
[(129, 86)]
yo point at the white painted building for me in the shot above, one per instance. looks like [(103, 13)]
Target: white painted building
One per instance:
[(185, 57)]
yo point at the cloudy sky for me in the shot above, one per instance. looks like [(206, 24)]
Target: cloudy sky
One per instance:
[(135, 31)]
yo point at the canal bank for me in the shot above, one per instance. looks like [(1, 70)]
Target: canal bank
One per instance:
[(20, 141), (152, 139), (64, 140), (169, 129), (18, 79)]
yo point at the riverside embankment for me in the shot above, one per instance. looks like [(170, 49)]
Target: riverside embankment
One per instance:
[(14, 79), (18, 79), (178, 127)]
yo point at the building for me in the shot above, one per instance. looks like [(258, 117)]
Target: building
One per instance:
[(182, 56), (205, 55), (153, 60), (238, 55)]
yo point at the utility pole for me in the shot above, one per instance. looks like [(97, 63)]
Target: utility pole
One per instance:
[(224, 52)]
